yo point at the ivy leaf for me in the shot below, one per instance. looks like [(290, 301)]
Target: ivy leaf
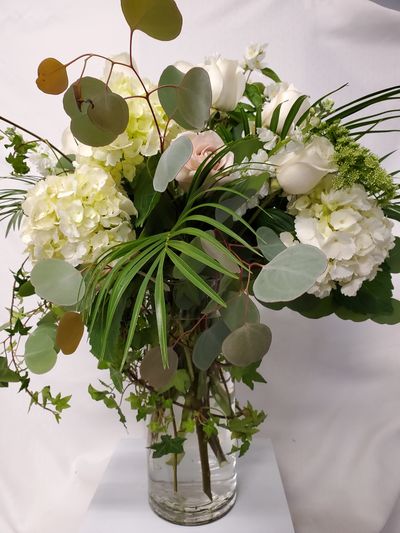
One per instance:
[(248, 375), (7, 375), (167, 445)]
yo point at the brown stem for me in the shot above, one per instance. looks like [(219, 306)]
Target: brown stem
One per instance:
[(7, 121), (216, 447)]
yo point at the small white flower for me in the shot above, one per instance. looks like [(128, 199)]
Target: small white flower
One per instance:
[(254, 58), (41, 160), (268, 137)]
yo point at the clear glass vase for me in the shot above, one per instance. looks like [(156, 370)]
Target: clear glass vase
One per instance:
[(198, 486)]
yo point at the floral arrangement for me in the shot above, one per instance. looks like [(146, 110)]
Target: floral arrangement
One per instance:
[(172, 205)]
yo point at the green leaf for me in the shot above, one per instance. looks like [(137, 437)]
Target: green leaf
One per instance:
[(194, 278), (275, 117), (136, 311), (255, 93), (108, 399), (276, 219), (110, 112), (394, 257), (161, 313), (239, 310), (290, 274), (87, 133), (26, 289), (248, 375), (146, 198), (160, 19), (392, 211), (390, 319), (171, 162), (291, 116), (247, 344), (209, 345), (269, 243), (6, 374), (58, 282), (157, 370), (40, 355), (188, 97), (167, 445), (198, 255), (269, 73), (180, 381)]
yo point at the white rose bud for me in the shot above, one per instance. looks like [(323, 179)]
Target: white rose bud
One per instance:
[(228, 82), (300, 167), (227, 78), (285, 94)]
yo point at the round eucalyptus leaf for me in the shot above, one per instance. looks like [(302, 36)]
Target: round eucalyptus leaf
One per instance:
[(160, 19), (169, 95), (52, 76), (87, 133), (190, 101), (269, 243), (247, 344), (109, 112), (239, 310), (69, 332), (290, 274), (171, 162), (195, 97), (58, 282), (40, 355), (84, 89), (153, 371), (209, 345)]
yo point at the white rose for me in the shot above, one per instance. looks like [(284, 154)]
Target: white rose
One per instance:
[(227, 78), (300, 167), (285, 94)]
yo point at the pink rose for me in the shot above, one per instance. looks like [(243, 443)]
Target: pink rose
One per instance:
[(204, 144)]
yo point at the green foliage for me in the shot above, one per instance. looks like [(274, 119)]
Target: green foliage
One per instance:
[(160, 19), (244, 426), (97, 115), (357, 164), (393, 261), (40, 354), (186, 98), (6, 374), (167, 445), (247, 344), (58, 282), (19, 152), (171, 162), (108, 398), (290, 274), (269, 242), (248, 374), (208, 345)]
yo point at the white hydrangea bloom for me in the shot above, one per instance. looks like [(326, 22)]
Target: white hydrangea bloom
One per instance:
[(140, 138), (41, 160), (76, 217), (254, 57), (349, 227)]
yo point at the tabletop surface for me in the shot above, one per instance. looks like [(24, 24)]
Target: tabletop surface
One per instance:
[(120, 502)]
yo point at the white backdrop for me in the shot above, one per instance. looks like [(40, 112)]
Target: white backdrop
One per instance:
[(333, 393)]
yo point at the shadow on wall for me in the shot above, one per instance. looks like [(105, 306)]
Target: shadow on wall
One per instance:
[(391, 4)]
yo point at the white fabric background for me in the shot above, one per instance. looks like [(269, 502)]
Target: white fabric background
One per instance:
[(333, 392)]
